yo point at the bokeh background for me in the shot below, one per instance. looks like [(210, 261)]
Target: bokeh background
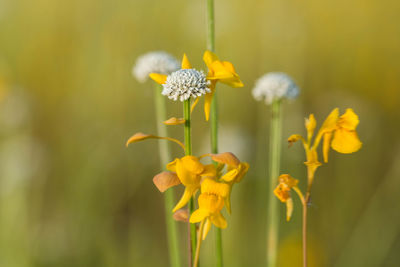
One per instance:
[(71, 193)]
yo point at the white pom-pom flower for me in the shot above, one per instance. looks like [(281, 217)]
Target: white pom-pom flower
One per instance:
[(275, 86), (154, 62), (186, 83)]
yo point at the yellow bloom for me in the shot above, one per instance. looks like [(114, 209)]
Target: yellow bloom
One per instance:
[(222, 71), (235, 172), (282, 191), (190, 171), (211, 202)]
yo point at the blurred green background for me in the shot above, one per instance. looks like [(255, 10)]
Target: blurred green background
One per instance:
[(71, 193)]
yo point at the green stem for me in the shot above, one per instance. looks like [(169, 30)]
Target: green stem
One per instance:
[(274, 166), (214, 120), (165, 157), (188, 150)]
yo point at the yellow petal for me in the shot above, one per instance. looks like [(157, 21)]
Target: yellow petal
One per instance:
[(294, 138), (230, 176), (187, 194), (243, 168), (219, 72), (329, 125), (165, 180), (288, 180), (185, 62), (208, 99), (209, 57), (194, 104), (219, 221), (193, 164), (199, 215), (172, 165), (233, 82), (174, 121), (326, 145), (289, 209), (226, 158), (209, 171), (349, 120), (346, 141), (185, 175), (282, 192), (207, 227), (210, 186), (141, 136), (310, 124), (158, 78)]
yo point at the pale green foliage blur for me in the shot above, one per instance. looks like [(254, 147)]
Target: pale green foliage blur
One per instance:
[(71, 194)]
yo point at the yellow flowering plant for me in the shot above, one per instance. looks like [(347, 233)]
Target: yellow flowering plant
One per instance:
[(215, 181), (337, 132)]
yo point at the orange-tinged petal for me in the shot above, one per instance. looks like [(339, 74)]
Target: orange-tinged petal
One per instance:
[(326, 145), (349, 120), (294, 138), (282, 192), (165, 180), (187, 194), (346, 141), (158, 78), (226, 158), (181, 215), (185, 62), (174, 121), (141, 136), (219, 221), (199, 215)]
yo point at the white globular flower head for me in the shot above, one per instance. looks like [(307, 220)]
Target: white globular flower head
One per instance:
[(186, 83), (154, 62), (275, 86)]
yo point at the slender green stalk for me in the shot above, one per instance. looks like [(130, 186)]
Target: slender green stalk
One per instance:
[(214, 120), (200, 239), (165, 157), (188, 147), (274, 165)]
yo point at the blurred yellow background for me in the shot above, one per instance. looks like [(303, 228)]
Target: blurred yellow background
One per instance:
[(71, 194)]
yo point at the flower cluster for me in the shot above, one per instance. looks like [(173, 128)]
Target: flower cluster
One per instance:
[(337, 132), (275, 86)]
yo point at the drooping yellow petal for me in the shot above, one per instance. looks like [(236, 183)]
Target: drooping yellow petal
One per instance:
[(310, 124), (185, 62), (172, 165), (349, 120), (141, 136), (187, 194), (233, 82), (329, 125), (158, 78), (282, 192), (346, 141), (207, 227), (174, 121), (294, 138), (219, 221), (219, 71), (165, 180), (226, 158), (326, 145), (289, 209), (199, 215), (194, 104), (207, 104)]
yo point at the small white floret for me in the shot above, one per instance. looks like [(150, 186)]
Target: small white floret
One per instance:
[(154, 62), (186, 83), (275, 86)]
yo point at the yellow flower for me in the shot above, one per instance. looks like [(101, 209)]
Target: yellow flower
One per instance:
[(282, 191), (190, 171), (235, 172), (211, 202), (222, 71)]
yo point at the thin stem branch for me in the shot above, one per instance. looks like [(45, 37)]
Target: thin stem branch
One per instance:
[(200, 239), (274, 166), (188, 150), (305, 206), (165, 157)]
